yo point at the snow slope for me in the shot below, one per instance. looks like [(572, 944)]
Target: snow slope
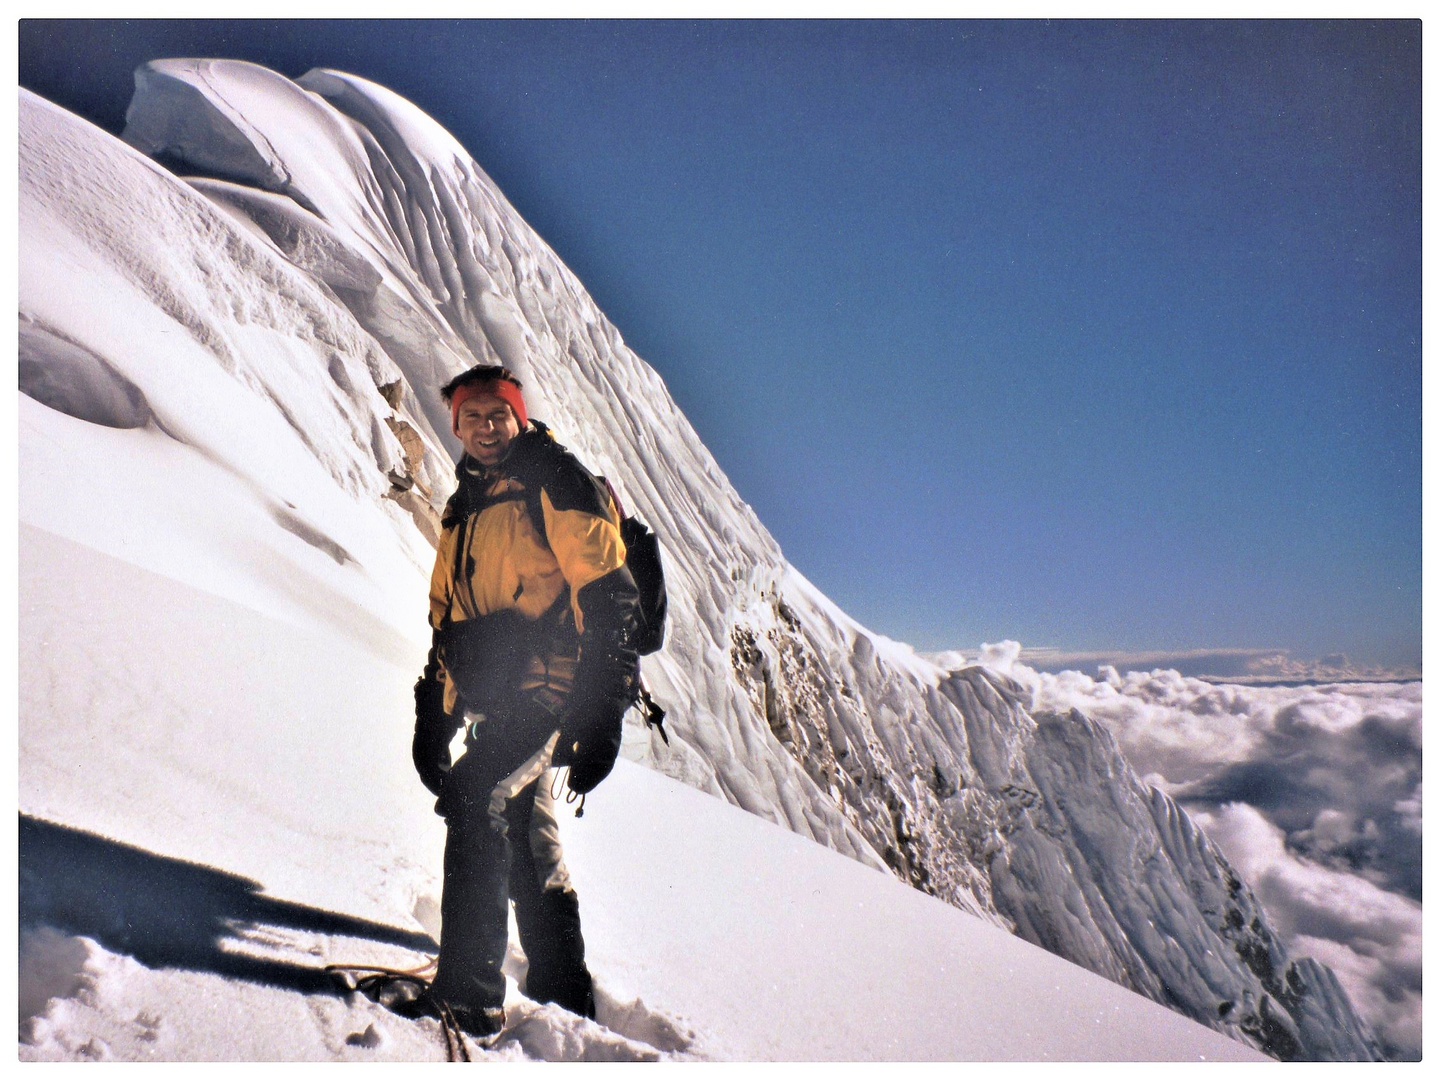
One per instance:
[(206, 832), (231, 382)]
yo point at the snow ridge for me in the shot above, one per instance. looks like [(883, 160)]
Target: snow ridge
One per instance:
[(337, 228)]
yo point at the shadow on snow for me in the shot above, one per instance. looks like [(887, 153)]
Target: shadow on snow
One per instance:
[(169, 913)]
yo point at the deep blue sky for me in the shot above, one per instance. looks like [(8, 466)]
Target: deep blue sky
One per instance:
[(1093, 335)]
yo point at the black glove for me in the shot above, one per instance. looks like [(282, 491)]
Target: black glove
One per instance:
[(434, 729), (593, 741)]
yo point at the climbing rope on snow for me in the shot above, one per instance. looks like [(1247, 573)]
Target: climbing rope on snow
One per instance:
[(403, 987)]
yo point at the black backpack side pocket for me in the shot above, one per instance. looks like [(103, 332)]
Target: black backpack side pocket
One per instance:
[(642, 559)]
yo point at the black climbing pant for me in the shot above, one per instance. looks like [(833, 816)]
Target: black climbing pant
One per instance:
[(503, 844)]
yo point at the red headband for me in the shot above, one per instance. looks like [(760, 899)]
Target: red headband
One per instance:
[(506, 391)]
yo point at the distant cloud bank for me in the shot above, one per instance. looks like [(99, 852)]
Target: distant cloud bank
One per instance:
[(1241, 666), (1313, 790)]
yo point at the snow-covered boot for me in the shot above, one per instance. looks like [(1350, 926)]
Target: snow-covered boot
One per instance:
[(480, 1024)]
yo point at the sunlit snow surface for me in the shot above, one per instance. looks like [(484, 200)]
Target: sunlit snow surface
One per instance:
[(255, 751), (229, 397)]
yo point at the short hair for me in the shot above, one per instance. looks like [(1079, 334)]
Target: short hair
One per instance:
[(480, 373)]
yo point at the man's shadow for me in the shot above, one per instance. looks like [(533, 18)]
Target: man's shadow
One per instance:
[(169, 913)]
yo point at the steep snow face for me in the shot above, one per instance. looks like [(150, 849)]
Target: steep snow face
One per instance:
[(341, 258)]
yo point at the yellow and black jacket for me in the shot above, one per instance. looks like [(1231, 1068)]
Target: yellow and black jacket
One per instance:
[(531, 548)]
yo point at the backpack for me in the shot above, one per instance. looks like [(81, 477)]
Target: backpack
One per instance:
[(642, 559)]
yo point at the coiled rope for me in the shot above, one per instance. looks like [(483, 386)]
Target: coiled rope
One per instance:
[(374, 981)]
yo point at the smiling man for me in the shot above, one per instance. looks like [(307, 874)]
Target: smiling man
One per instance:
[(486, 425), (533, 611)]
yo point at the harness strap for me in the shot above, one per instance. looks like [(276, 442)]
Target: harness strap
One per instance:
[(457, 573)]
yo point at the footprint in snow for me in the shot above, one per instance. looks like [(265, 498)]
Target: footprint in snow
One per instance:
[(639, 1023), (549, 1033), (630, 1024)]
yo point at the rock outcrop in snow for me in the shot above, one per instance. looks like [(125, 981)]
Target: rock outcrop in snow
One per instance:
[(328, 225)]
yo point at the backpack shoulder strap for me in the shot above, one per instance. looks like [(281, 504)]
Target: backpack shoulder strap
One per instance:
[(548, 466)]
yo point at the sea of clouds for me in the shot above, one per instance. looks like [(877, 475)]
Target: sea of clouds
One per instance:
[(1311, 791)]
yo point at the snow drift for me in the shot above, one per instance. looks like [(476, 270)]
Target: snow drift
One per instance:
[(232, 383)]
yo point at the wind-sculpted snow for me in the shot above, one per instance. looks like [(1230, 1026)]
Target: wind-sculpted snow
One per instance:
[(337, 259), (71, 379)]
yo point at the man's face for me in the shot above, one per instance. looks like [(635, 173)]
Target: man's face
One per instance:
[(486, 426)]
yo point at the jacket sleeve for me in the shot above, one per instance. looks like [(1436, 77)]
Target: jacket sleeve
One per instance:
[(440, 584), (586, 542), (607, 656), (583, 530), (441, 591)]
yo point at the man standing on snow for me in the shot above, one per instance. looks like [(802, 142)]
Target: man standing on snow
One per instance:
[(533, 610)]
